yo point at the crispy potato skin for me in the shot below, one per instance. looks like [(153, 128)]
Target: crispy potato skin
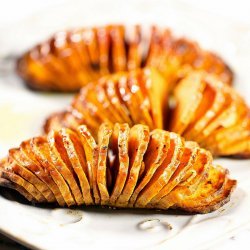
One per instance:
[(127, 167), (70, 59)]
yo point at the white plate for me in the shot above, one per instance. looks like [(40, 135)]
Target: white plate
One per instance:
[(22, 113)]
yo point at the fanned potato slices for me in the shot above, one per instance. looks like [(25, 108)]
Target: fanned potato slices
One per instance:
[(156, 153), (63, 165), (70, 59), (41, 152), (138, 96), (187, 161), (33, 164), (18, 160), (125, 167), (205, 110), (213, 114), (164, 172), (8, 175), (120, 168), (75, 157), (138, 143)]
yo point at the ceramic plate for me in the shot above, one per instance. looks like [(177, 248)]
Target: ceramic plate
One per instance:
[(22, 113)]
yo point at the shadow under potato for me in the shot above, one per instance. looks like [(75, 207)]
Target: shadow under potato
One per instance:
[(13, 195)]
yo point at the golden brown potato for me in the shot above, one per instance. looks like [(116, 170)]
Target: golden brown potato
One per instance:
[(69, 60), (138, 96), (206, 110), (212, 114), (124, 167)]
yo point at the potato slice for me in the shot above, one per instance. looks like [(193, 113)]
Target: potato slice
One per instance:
[(40, 149), (211, 63), (72, 119), (156, 153), (134, 60), (18, 168), (118, 57), (91, 153), (54, 122), (156, 89), (90, 146), (203, 108), (9, 184), (71, 61), (87, 72), (112, 114), (226, 118), (103, 38), (59, 60), (207, 191), (60, 161), (185, 51), (126, 97), (104, 135), (219, 199), (197, 173), (139, 102), (41, 172), (186, 162), (164, 171), (191, 181), (77, 159), (138, 143), (112, 91), (120, 141), (155, 47), (233, 140), (217, 99), (188, 95), (89, 36), (89, 105), (7, 174), (36, 169)]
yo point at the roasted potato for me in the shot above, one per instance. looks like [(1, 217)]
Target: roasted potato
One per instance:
[(127, 167), (202, 109), (212, 114), (70, 59)]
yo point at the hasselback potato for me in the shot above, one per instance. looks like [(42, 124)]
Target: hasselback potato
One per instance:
[(125, 167), (213, 114), (205, 109), (71, 59)]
